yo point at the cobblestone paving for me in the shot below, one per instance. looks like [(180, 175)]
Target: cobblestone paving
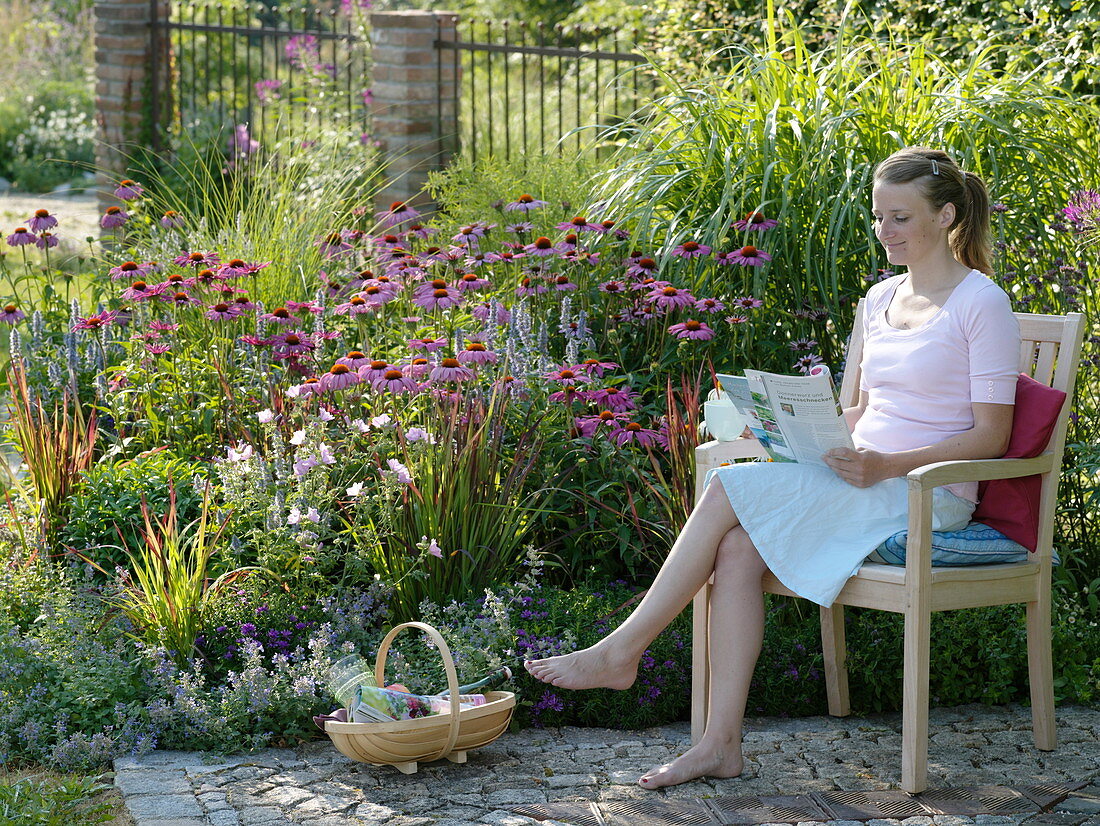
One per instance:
[(316, 786)]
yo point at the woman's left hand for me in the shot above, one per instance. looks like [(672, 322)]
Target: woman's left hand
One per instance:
[(860, 467)]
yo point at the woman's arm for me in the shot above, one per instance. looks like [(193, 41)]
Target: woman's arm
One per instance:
[(852, 414), (987, 439)]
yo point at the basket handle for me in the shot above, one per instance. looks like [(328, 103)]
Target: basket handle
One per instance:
[(448, 665)]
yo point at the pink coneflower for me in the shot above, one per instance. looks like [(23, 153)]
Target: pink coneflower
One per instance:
[(585, 257), (692, 329), (504, 256), (222, 312), (157, 349), (691, 249), (530, 286), (471, 234), (524, 203), (171, 220), (471, 281), (127, 190), (644, 266), (41, 220), (418, 368), (420, 231), (477, 353), (178, 282), (482, 311), (807, 361), (619, 399), (198, 260), (429, 345), (309, 387), (394, 380), (755, 221), (294, 342), (354, 359), (709, 305), (595, 367), (568, 243), (750, 256), (333, 245), (670, 298), (736, 319), (97, 321), (612, 287), (377, 294), (255, 341), (243, 303), (141, 291), (338, 377), (802, 345), (10, 314), (128, 270), (388, 242), (356, 305), (163, 326), (280, 315), (579, 224), (207, 278), (398, 212), (542, 247), (519, 227), (634, 432), (21, 237), (567, 376), (476, 259), (303, 307), (562, 283), (237, 268), (438, 298), (46, 240), (450, 370), (747, 302), (588, 425), (374, 369)]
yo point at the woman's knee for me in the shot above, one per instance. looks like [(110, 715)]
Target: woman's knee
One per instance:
[(736, 552)]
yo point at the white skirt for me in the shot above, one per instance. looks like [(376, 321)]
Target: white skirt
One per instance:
[(813, 529)]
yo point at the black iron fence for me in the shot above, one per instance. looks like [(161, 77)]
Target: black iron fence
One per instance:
[(533, 89), (252, 70)]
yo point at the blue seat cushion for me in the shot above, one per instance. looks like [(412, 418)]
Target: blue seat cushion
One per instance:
[(976, 544)]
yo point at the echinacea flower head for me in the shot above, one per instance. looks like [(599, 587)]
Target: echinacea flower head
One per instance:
[(519, 227), (398, 212), (180, 298), (471, 281), (338, 377), (524, 203), (644, 266), (280, 315), (563, 283), (692, 329), (709, 305), (10, 314), (97, 321), (450, 369), (530, 286), (612, 286), (691, 249), (197, 260), (356, 305), (750, 256), (477, 353), (115, 216), (595, 367), (354, 359), (222, 312), (755, 221), (418, 367), (802, 345), (587, 426), (236, 268), (21, 237), (46, 240), (617, 399), (632, 432), (567, 376), (374, 369), (333, 246), (394, 380), (128, 270), (141, 291), (127, 190), (747, 302), (171, 220), (542, 246), (670, 298), (471, 234), (440, 298), (806, 362), (208, 277), (579, 224), (292, 343), (41, 220)]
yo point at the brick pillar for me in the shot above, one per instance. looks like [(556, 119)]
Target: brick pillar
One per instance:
[(129, 62), (414, 111)]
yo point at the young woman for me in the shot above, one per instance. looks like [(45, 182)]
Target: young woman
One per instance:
[(938, 383)]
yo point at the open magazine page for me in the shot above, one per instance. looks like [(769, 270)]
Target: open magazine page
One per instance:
[(750, 397), (805, 414)]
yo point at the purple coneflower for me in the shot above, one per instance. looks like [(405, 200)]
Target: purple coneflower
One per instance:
[(244, 303), (634, 432), (482, 311), (519, 228), (612, 286), (477, 353), (692, 329), (542, 246), (333, 245), (157, 349), (471, 281), (691, 249), (171, 220), (394, 380), (356, 305), (179, 298), (163, 326), (476, 259), (750, 256), (450, 369), (755, 221), (420, 231), (46, 240), (530, 286), (128, 190), (567, 376), (619, 399), (644, 266), (429, 345), (41, 220), (280, 315), (377, 294), (198, 260), (222, 312), (10, 314), (524, 203), (802, 345), (579, 224), (595, 367), (141, 291), (709, 305), (670, 298), (585, 257), (747, 302), (303, 307), (354, 359), (438, 298), (115, 216), (20, 237), (504, 256), (97, 321), (418, 368), (374, 369), (128, 270), (292, 343), (471, 234), (807, 361), (588, 425), (563, 284), (398, 212), (338, 377), (208, 278), (736, 319), (236, 268), (568, 243)]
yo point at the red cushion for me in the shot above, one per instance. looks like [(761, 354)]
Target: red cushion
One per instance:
[(1012, 505)]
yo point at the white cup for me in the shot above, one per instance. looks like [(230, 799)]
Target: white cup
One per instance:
[(724, 422)]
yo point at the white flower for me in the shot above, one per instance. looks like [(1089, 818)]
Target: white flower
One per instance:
[(304, 466), (382, 421), (325, 416), (293, 392), (242, 453), (355, 489), (435, 550), (313, 516), (360, 425), (295, 516), (326, 455), (417, 434), (298, 437), (265, 416)]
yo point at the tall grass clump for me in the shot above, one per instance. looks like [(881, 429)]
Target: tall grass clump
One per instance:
[(794, 133)]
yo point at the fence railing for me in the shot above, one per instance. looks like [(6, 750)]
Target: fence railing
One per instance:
[(260, 67), (533, 89)]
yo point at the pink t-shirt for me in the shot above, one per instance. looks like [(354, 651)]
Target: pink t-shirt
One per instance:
[(921, 382)]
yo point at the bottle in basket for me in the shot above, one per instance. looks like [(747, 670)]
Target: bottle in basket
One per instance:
[(486, 683)]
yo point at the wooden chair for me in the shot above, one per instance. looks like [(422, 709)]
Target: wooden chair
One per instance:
[(1050, 352)]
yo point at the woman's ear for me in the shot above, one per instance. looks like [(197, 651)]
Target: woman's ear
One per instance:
[(947, 215)]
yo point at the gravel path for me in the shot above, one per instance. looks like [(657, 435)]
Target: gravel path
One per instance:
[(77, 215)]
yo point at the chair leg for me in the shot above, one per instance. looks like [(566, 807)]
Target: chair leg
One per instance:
[(700, 662), (1041, 674), (914, 734), (835, 649)]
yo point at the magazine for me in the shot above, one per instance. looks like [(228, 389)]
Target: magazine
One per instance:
[(795, 418)]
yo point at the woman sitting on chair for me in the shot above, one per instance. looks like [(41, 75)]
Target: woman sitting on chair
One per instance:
[(938, 383)]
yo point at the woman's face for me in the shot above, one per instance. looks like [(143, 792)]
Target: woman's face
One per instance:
[(907, 225)]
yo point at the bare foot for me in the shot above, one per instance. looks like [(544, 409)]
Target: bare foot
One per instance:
[(595, 667), (698, 761)]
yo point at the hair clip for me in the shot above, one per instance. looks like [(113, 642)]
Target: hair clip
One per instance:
[(935, 168)]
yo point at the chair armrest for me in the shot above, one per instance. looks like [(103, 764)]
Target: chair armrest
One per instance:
[(715, 452), (977, 470)]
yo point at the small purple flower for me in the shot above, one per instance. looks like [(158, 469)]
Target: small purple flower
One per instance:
[(41, 220), (398, 212), (10, 314), (171, 220), (46, 240), (579, 224), (524, 203), (21, 237), (709, 305), (671, 298), (127, 190), (542, 246)]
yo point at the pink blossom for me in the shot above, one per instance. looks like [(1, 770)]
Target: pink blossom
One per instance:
[(692, 329), (398, 472)]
